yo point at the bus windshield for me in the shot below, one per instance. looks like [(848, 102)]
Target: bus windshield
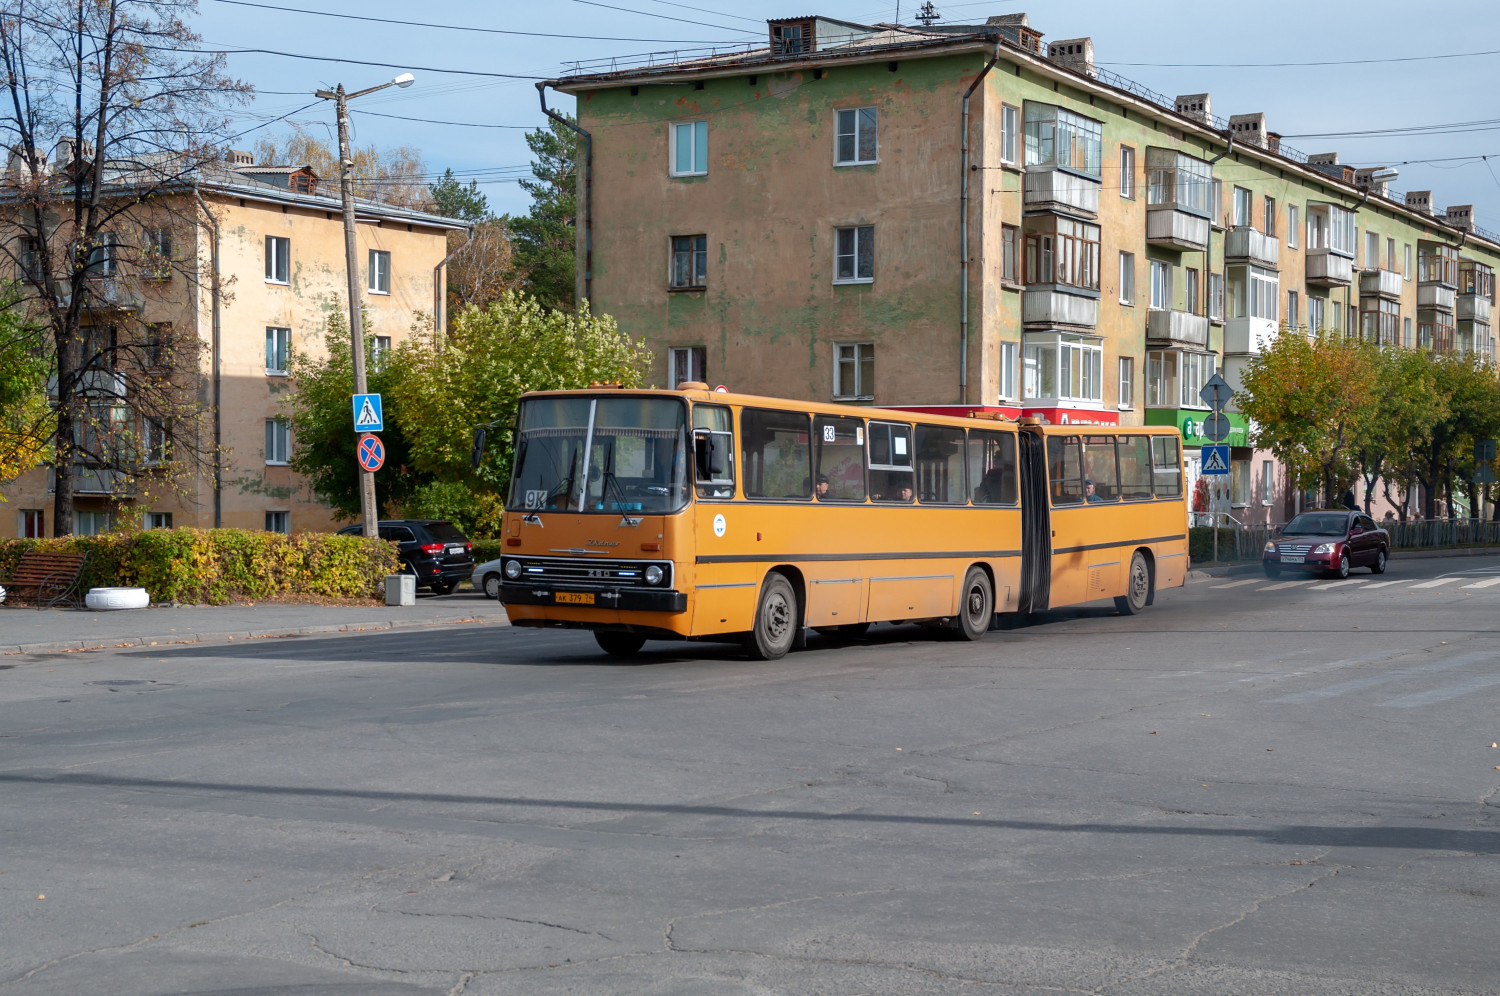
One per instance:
[(636, 459)]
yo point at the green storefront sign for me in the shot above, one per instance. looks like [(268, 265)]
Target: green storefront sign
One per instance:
[(1189, 422)]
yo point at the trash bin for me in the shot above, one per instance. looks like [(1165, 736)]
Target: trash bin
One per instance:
[(400, 589)]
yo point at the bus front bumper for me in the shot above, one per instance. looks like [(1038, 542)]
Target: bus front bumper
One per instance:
[(624, 599)]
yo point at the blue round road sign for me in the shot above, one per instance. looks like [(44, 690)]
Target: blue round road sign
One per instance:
[(371, 453)]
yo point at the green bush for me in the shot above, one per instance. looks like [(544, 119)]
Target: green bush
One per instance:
[(1201, 545), (487, 549), (223, 565)]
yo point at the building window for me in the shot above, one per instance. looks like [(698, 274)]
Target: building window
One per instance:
[(690, 149), (1271, 217), (1293, 313), (1254, 293), (380, 348), (1316, 314), (1010, 252), (1406, 261), (92, 523), (278, 256), (1062, 251), (1372, 251), (156, 253), (1216, 296), (1190, 291), (1127, 278), (1174, 378), (689, 262), (1331, 227), (154, 349), (1178, 181), (278, 522), (153, 443), (854, 137), (1216, 202), (854, 371), (1008, 354), (278, 442), (157, 520), (1055, 137), (1064, 367), (1390, 255), (1406, 332), (278, 348), (380, 272), (31, 524), (1127, 172), (1161, 285), (1380, 320), (854, 255), (1010, 127), (1127, 381), (1267, 482), (1293, 225), (31, 260), (1239, 483), (1242, 208), (687, 363)]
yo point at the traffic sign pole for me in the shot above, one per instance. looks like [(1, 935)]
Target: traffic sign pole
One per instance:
[(1216, 394)]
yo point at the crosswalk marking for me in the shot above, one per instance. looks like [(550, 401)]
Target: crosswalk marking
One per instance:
[(1443, 694), (1359, 684), (1346, 583), (1236, 584), (1382, 584), (1285, 584), (1487, 582), (1435, 582)]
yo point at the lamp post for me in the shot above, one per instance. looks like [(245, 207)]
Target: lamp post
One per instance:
[(341, 100)]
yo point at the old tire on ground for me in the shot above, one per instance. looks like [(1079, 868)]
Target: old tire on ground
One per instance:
[(1379, 566), (103, 599), (492, 586), (976, 606), (1137, 587), (776, 620), (619, 644)]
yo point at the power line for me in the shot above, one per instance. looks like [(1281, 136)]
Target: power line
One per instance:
[(717, 13), (1286, 65), (1433, 129), (456, 124), (265, 124), (352, 62), (464, 27), (664, 17)]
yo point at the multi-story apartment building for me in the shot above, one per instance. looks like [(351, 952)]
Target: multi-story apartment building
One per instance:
[(269, 243), (961, 215)]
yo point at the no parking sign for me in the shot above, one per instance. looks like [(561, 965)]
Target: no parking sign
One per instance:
[(371, 452)]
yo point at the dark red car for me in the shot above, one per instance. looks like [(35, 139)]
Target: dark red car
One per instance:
[(1328, 539)]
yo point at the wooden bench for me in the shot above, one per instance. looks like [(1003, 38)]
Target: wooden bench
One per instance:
[(48, 578)]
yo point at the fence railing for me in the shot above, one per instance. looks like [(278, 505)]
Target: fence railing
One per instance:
[(1245, 542)]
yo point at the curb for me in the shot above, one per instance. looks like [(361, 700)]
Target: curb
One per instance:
[(230, 636), (1232, 570)]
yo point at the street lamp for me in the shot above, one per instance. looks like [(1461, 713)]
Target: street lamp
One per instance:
[(351, 263)]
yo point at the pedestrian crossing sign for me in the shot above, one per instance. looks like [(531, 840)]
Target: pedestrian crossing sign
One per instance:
[(368, 416), (1215, 460)]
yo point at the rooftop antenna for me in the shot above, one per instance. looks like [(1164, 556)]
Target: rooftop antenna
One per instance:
[(927, 14)]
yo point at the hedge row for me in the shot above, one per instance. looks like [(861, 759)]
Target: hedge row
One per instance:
[(223, 565)]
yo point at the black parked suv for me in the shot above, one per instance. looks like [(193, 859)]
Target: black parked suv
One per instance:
[(432, 549)]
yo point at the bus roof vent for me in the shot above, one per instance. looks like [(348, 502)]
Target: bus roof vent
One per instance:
[(1033, 420), (691, 385)]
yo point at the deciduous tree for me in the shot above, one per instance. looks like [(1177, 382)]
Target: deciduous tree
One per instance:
[(394, 175)]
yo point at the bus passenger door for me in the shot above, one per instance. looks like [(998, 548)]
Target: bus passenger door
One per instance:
[(1036, 526)]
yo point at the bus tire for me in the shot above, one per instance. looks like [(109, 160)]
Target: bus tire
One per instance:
[(619, 644), (1137, 587), (977, 607), (776, 620)]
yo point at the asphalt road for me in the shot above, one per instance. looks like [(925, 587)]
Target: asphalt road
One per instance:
[(1250, 788)]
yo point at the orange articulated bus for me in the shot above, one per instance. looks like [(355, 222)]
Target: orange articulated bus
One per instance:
[(691, 514)]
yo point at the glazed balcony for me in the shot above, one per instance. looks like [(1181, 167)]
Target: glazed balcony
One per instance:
[(1326, 268), (1380, 283), (1176, 329), (1248, 336), (1244, 244), (92, 481), (1170, 228), (1052, 306), (1053, 189)]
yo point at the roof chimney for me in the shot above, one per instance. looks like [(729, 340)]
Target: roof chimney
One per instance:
[(1249, 129), (1419, 200), (1460, 216), (1076, 54), (1017, 29), (1196, 106), (239, 157)]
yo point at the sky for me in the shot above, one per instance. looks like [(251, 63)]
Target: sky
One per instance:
[(1250, 56)]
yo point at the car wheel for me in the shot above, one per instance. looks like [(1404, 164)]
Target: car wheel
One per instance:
[(1379, 566), (619, 644), (977, 608), (775, 620), (445, 588), (492, 586), (1342, 570), (1138, 587), (1272, 571)]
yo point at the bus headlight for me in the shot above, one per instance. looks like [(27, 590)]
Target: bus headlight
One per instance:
[(653, 575), (512, 569)]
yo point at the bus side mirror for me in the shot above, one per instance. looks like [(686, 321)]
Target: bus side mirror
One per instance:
[(708, 452), (478, 453)]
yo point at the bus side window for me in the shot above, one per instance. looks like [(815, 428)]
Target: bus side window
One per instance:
[(1099, 467), (713, 451), (840, 463), (776, 457), (940, 465), (1065, 469), (1166, 467), (992, 467), (1135, 467), (891, 472)]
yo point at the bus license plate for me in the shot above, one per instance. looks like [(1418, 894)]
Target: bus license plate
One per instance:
[(575, 597), (1291, 558)]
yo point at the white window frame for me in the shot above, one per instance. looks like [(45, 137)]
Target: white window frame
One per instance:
[(1270, 219), (157, 520), (1268, 482), (1242, 210), (278, 350), (380, 272), (278, 443), (696, 358), (1127, 172), (92, 523), (1293, 312), (860, 232), (1406, 260), (103, 261), (1074, 358), (1009, 361), (854, 352), (1010, 134), (1293, 225), (278, 260), (1127, 277), (1215, 297), (1406, 332), (1317, 316), (281, 524), (696, 137), (380, 348), (855, 116), (1161, 285), (1126, 397), (24, 518)]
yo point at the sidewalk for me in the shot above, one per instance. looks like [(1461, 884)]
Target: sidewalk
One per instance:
[(24, 630), (1206, 571)]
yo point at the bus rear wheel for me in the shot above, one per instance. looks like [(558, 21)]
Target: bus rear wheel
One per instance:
[(978, 608), (619, 644), (1137, 587), (776, 620)]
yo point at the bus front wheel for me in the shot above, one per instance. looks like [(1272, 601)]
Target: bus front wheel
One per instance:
[(775, 620), (1137, 587), (978, 607), (619, 644)]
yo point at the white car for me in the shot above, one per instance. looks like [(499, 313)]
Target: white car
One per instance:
[(486, 578)]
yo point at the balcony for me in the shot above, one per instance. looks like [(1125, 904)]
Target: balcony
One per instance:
[(1379, 283), (1245, 245), (1326, 268), (1176, 328), (1473, 308), (1437, 296), (94, 384), (105, 294), (1050, 307), (1248, 336), (1051, 189), (92, 481), (1172, 229)]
